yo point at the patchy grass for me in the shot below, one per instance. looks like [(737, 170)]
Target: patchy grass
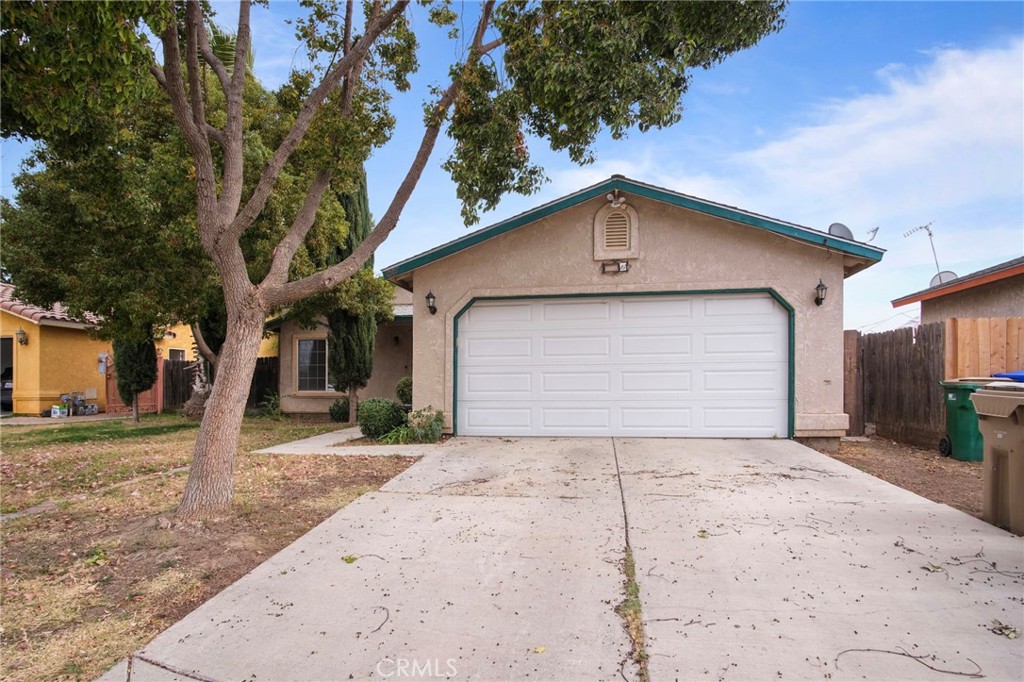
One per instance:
[(87, 584), (631, 612)]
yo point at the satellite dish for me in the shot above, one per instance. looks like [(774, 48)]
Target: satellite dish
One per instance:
[(840, 230), (942, 278)]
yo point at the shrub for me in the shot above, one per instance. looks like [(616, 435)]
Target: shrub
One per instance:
[(404, 390), (270, 406), (195, 406), (339, 410), (378, 416), (425, 426), (397, 436)]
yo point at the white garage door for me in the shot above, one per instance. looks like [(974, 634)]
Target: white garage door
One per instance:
[(681, 365)]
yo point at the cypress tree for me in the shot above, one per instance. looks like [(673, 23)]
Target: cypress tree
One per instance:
[(350, 338), (135, 364)]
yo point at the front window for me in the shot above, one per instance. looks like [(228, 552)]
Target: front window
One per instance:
[(175, 354), (312, 369)]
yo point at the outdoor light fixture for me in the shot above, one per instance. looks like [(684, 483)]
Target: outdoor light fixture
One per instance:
[(614, 267), (431, 300), (819, 292), (22, 337)]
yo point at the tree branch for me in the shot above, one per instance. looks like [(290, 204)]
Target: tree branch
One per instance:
[(216, 134), (203, 348), (233, 180), (193, 27), (158, 74), (324, 280), (213, 60), (286, 248), (313, 102)]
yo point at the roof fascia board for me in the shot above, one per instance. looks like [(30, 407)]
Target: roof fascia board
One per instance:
[(958, 286), (791, 230)]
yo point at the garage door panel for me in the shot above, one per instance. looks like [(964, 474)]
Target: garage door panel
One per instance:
[(686, 365), (766, 380), (746, 344), (656, 382), (638, 311), (656, 345), (731, 306), (576, 310), (499, 348), (497, 384), (595, 383), (576, 417), (655, 420)]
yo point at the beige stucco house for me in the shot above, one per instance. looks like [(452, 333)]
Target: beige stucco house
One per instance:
[(997, 291), (630, 310), (304, 383)]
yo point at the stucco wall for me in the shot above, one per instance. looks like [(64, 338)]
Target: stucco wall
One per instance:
[(55, 361), (1004, 298), (680, 250), (390, 361)]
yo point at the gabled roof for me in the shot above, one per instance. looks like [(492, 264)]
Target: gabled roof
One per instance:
[(868, 254), (1010, 268), (55, 315)]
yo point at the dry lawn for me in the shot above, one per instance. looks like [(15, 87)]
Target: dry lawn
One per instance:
[(88, 583), (921, 471)]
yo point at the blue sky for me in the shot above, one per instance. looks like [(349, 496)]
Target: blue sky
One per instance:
[(874, 114)]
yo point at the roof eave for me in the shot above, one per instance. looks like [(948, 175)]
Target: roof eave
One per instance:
[(868, 254), (957, 286)]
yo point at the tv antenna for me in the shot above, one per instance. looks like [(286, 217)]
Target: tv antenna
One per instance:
[(927, 228), (872, 233)]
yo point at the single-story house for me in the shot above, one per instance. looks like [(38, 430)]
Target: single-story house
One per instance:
[(626, 309), (49, 353), (997, 291), (304, 383)]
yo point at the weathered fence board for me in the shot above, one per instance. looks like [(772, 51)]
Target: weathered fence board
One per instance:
[(896, 374), (177, 383), (264, 381), (901, 371)]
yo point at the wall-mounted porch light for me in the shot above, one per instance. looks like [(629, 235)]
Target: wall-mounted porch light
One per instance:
[(431, 301), (22, 336), (819, 292)]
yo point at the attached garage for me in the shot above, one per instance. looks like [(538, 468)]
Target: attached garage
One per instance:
[(698, 365), (626, 309)]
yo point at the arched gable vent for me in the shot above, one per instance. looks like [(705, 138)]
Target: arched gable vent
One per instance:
[(616, 233)]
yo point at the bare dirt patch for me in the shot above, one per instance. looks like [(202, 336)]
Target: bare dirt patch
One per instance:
[(87, 584), (921, 471)]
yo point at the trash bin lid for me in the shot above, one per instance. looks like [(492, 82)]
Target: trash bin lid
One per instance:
[(969, 382), (998, 400), (1013, 376)]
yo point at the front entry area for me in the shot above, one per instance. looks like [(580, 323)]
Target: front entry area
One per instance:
[(672, 365)]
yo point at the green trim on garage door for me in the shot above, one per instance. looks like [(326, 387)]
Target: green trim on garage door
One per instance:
[(790, 313)]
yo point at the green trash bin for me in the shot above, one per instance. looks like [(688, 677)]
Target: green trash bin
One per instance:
[(963, 439)]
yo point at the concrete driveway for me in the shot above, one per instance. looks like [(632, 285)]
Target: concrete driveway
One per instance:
[(502, 559)]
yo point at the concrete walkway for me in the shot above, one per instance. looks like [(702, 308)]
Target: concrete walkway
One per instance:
[(60, 421), (337, 443), (501, 559)]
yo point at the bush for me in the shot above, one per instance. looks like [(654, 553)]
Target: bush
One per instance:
[(396, 436), (404, 390), (339, 410), (425, 426), (195, 406), (378, 416)]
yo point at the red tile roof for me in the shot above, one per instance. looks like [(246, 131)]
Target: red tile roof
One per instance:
[(56, 313)]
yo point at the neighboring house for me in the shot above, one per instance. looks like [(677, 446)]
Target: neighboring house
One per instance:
[(49, 354), (631, 310), (304, 383), (997, 291)]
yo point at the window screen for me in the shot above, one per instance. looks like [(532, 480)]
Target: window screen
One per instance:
[(312, 370)]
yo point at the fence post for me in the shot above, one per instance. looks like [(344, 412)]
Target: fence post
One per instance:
[(853, 383)]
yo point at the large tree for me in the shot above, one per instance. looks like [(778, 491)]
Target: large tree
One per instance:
[(557, 70)]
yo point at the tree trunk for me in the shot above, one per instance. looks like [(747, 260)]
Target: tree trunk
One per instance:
[(135, 409), (353, 401), (210, 478)]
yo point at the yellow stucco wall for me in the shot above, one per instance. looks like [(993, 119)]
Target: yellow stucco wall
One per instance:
[(55, 361), (679, 250)]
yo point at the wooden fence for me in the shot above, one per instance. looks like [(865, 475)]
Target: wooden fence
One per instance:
[(175, 386), (892, 379)]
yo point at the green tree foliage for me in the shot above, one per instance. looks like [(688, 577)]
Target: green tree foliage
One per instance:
[(135, 365)]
